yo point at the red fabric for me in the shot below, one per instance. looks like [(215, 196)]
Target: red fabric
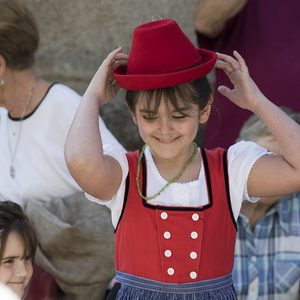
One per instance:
[(267, 34), (43, 285), (162, 56), (140, 241)]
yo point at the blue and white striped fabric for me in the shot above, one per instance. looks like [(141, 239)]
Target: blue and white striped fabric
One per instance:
[(267, 261)]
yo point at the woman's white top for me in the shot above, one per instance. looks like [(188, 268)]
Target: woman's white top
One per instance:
[(241, 158), (41, 172)]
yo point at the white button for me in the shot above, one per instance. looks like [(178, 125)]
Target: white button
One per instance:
[(195, 217), (193, 255), (181, 191), (167, 235), (194, 235), (193, 275), (253, 259), (171, 271), (168, 253), (164, 215)]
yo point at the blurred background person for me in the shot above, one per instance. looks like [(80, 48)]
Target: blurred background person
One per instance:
[(267, 35), (35, 117), (267, 251)]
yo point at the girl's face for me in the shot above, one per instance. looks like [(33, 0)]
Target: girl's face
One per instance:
[(169, 133), (15, 272)]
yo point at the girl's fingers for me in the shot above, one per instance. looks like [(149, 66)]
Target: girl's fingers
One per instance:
[(111, 57), (119, 63), (227, 68), (240, 60), (122, 56), (234, 63), (228, 59), (225, 91)]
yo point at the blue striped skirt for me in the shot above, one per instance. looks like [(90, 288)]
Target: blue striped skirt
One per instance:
[(139, 288)]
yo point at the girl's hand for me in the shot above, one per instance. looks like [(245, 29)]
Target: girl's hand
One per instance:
[(245, 93), (103, 84)]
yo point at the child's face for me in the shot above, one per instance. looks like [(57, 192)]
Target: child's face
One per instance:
[(169, 132), (15, 272)]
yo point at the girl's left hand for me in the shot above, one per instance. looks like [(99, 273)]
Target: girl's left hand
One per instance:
[(245, 93), (103, 84)]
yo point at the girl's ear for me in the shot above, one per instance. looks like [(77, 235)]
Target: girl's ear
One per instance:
[(133, 115), (205, 112)]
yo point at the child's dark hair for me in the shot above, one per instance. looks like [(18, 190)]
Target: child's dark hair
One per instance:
[(195, 92), (13, 219)]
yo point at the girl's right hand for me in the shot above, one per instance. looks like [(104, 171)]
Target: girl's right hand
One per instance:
[(103, 84)]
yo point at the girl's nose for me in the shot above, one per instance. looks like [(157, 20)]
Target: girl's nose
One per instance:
[(165, 126), (22, 269)]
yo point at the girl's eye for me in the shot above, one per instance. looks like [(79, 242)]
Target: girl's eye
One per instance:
[(179, 117), (149, 118), (9, 261), (28, 258)]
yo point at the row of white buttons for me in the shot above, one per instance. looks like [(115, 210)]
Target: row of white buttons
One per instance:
[(194, 235), (164, 216), (193, 255), (167, 235), (171, 272)]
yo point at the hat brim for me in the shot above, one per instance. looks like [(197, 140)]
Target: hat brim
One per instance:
[(135, 82)]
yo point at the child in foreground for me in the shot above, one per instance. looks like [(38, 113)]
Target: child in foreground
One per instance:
[(18, 245), (174, 205)]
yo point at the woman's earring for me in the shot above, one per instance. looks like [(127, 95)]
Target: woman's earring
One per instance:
[(2, 82)]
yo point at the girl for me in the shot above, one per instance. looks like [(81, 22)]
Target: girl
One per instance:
[(18, 244), (174, 206)]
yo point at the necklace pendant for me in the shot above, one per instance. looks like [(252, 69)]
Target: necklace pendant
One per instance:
[(12, 171)]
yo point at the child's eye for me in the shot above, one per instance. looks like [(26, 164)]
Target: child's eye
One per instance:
[(149, 118), (179, 117), (9, 261), (28, 258)]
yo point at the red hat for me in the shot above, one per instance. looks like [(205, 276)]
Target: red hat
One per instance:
[(162, 56)]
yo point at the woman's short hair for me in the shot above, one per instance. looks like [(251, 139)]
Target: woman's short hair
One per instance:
[(13, 219), (254, 127), (19, 37)]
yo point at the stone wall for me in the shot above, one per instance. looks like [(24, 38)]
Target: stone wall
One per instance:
[(76, 35)]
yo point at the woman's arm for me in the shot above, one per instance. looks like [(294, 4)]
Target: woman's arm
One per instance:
[(97, 174), (270, 175), (210, 16)]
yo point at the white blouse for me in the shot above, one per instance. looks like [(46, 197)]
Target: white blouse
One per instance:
[(241, 158)]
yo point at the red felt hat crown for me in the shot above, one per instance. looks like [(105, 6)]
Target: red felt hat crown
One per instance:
[(162, 56)]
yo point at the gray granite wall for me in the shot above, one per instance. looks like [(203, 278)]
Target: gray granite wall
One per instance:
[(76, 35)]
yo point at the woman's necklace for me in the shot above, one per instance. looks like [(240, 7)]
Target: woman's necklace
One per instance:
[(171, 181), (12, 171)]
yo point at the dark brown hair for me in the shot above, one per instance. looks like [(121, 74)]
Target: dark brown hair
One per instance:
[(195, 92), (19, 37)]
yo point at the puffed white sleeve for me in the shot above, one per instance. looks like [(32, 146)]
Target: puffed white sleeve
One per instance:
[(241, 158), (116, 202)]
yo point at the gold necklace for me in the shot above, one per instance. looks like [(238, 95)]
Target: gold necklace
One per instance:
[(12, 171), (171, 181)]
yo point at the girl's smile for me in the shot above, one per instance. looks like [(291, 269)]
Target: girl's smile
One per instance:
[(15, 271)]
